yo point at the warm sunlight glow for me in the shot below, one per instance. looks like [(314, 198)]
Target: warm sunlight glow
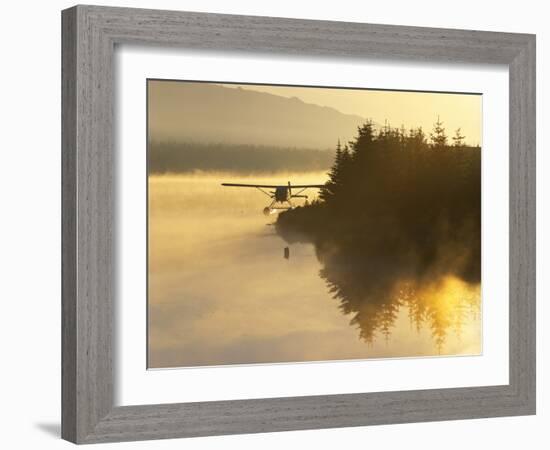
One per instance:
[(293, 224)]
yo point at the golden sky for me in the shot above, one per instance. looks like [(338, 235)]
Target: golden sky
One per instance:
[(412, 109)]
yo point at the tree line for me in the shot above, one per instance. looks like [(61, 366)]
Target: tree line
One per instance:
[(185, 157), (399, 205)]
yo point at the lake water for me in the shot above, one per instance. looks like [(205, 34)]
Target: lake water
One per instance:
[(220, 290)]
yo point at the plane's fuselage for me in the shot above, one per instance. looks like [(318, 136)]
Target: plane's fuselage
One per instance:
[(282, 193)]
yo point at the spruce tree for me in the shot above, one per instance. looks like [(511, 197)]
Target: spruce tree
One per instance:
[(438, 136), (458, 139), (335, 175), (365, 137)]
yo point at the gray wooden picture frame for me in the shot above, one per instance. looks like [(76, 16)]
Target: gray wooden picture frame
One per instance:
[(90, 34)]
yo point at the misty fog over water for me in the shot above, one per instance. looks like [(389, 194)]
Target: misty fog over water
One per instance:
[(221, 291)]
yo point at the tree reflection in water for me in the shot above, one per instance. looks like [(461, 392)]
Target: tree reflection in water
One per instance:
[(443, 305)]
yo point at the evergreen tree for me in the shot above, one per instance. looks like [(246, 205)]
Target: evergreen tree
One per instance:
[(458, 139), (336, 170), (365, 137), (346, 162), (438, 136), (403, 136), (416, 140), (335, 175)]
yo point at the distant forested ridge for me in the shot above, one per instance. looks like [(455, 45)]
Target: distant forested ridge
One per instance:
[(400, 206), (209, 113), (185, 157)]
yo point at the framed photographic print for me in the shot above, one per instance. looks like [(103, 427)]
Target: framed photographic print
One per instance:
[(268, 222)]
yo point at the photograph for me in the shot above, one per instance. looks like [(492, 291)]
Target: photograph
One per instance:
[(303, 223)]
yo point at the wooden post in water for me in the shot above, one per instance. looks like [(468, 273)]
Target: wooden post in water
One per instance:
[(287, 253)]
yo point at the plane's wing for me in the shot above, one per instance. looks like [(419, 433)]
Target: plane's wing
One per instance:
[(297, 186), (250, 185)]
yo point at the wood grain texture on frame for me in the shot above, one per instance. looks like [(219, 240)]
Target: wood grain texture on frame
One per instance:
[(90, 34)]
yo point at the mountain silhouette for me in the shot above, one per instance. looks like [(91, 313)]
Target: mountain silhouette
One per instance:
[(211, 113)]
